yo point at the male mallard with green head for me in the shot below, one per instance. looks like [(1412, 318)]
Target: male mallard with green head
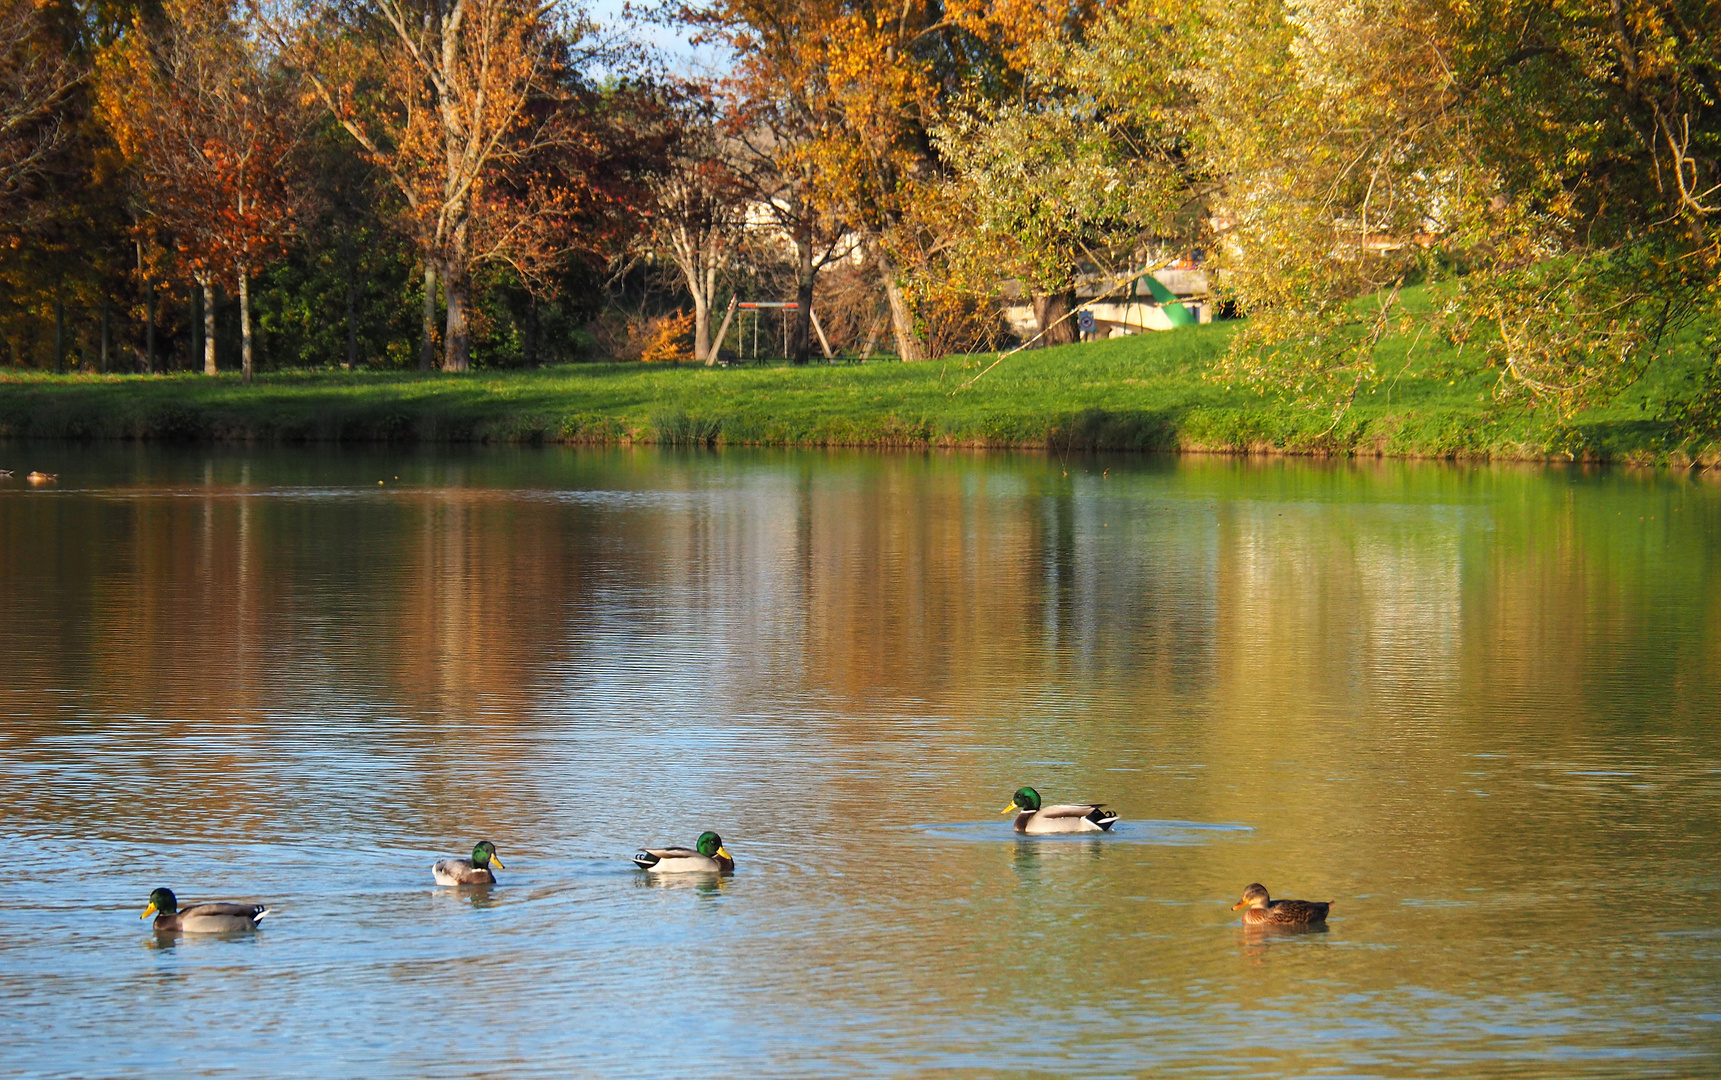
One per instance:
[(473, 871), (1263, 910), (706, 856), (1031, 817), (170, 918)]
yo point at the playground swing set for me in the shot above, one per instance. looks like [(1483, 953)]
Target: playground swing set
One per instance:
[(782, 307)]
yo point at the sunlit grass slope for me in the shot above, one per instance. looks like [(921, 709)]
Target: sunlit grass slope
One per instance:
[(1150, 392)]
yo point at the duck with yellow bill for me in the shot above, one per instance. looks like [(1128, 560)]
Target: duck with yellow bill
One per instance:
[(473, 871), (1035, 819), (214, 918), (706, 856)]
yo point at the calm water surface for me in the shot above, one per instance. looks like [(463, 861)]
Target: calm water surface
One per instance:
[(1479, 708)]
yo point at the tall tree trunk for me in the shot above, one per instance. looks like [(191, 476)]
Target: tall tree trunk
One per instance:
[(59, 335), (531, 342), (457, 355), (701, 326), (901, 319), (800, 345), (107, 330), (1048, 309), (209, 365), (149, 324), (352, 300), (149, 314), (245, 321), (427, 343)]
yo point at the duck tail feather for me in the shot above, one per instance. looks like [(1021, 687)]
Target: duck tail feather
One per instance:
[(645, 860), (262, 912), (1104, 818)]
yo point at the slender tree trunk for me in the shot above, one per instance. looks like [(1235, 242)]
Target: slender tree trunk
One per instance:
[(1048, 309), (245, 321), (352, 301), (107, 330), (59, 335), (149, 324), (531, 342), (800, 347), (210, 367), (901, 319), (427, 343), (701, 327), (457, 351)]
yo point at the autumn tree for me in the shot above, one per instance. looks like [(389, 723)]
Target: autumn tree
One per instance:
[(37, 74), (1084, 165), (457, 102), (699, 206), (770, 142), (210, 129), (802, 70), (867, 83), (1558, 163)]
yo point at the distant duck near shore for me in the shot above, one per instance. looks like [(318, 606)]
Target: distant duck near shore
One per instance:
[(42, 477)]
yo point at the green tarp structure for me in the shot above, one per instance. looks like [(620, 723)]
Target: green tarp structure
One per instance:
[(1167, 301)]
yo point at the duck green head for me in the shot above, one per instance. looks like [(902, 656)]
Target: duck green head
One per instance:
[(485, 854), (1026, 800), (161, 901), (710, 845)]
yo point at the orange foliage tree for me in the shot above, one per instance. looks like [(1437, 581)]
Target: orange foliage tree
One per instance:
[(698, 206), (465, 107), (210, 130), (866, 81)]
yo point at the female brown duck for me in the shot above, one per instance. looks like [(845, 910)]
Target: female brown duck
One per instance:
[(1266, 911)]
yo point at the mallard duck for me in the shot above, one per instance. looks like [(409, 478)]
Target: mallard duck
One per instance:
[(1266, 911), (473, 871), (706, 856), (1031, 817), (200, 918), (42, 477)]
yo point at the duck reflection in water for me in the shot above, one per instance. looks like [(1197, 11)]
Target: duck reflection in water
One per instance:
[(708, 885), (475, 896), (1033, 856), (1259, 939)]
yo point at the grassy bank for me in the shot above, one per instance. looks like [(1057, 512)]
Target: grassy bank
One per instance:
[(1142, 393)]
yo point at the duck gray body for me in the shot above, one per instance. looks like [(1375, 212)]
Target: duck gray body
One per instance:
[(213, 918), (1066, 818), (461, 872), (1034, 818), (473, 871), (216, 918), (708, 857)]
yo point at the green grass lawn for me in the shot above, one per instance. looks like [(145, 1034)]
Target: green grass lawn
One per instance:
[(1149, 392)]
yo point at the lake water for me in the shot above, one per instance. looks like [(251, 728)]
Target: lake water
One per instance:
[(1477, 708)]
